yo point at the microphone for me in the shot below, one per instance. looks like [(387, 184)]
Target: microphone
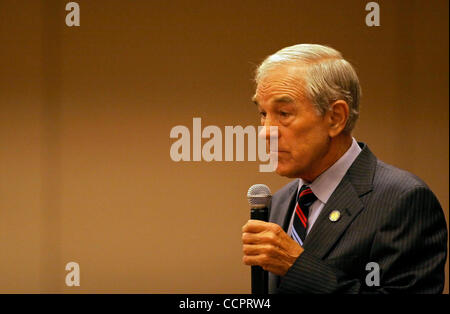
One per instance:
[(259, 197)]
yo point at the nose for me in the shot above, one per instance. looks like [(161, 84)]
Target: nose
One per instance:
[(269, 132), (269, 129), (264, 132), (270, 135)]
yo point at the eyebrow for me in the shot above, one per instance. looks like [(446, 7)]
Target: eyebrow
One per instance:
[(281, 99), (284, 99)]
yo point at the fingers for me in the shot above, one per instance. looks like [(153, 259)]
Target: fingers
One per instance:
[(256, 260), (260, 232), (266, 244), (250, 250), (259, 256), (255, 226), (269, 258), (265, 237)]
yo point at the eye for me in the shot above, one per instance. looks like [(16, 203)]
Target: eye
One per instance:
[(284, 114)]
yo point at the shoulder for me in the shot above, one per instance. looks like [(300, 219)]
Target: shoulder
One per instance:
[(388, 190), (368, 172), (399, 193), (390, 179)]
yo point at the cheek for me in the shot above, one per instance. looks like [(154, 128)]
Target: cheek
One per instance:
[(305, 146)]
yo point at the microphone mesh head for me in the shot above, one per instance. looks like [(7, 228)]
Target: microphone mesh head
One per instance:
[(259, 196)]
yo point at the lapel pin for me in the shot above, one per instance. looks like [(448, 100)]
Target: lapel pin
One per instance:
[(335, 215)]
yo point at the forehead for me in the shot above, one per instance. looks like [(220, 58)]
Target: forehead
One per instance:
[(281, 81)]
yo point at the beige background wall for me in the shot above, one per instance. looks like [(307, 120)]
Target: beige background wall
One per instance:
[(85, 116)]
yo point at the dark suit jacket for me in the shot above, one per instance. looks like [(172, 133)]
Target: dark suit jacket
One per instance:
[(388, 216)]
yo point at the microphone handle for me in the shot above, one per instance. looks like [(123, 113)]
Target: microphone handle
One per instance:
[(260, 277)]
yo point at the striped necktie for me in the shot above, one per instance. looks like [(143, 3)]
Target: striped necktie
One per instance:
[(304, 200)]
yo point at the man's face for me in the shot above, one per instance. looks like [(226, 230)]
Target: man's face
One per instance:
[(303, 140)]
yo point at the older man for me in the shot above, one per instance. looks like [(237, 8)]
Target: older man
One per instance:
[(346, 213)]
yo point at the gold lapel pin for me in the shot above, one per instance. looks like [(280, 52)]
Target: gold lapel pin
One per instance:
[(335, 215)]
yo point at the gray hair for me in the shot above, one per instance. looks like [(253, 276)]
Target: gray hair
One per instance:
[(328, 76)]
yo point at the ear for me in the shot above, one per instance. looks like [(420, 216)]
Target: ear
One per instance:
[(337, 116)]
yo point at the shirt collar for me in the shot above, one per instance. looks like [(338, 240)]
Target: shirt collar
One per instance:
[(325, 184)]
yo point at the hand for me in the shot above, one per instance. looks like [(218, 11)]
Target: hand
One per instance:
[(266, 244)]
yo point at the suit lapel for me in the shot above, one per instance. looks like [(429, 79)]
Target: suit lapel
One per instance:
[(346, 199), (324, 232)]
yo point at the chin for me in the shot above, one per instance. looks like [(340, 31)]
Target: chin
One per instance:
[(286, 172)]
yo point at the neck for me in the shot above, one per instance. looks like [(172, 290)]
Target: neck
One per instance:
[(337, 147)]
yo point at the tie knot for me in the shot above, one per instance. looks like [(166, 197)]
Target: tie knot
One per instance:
[(306, 196)]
